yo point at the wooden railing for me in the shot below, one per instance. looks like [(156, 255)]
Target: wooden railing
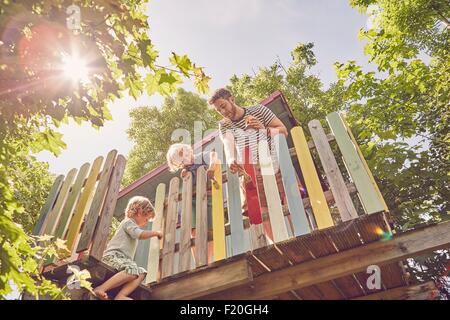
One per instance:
[(221, 230), (185, 248)]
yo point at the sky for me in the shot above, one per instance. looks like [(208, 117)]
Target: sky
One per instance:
[(226, 38)]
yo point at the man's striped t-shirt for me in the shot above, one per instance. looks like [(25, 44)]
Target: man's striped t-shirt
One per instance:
[(248, 137)]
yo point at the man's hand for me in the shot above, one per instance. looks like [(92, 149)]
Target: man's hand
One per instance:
[(210, 173), (253, 122), (234, 167)]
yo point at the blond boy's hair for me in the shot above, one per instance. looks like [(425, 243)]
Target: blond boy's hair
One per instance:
[(136, 203), (172, 156)]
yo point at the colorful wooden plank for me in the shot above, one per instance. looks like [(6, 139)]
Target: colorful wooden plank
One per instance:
[(167, 264), (338, 187), (275, 209), (201, 219), (74, 194), (239, 243), (83, 204), (49, 203), (319, 204), (155, 243), (258, 238), (101, 234), (141, 254), (97, 203), (186, 225), (251, 191), (218, 214), (54, 215), (289, 177), (369, 193), (176, 256)]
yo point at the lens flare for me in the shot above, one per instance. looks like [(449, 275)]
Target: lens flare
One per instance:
[(75, 68), (384, 235)]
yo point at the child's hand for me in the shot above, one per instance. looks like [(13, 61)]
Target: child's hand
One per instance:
[(184, 173), (210, 173), (158, 234)]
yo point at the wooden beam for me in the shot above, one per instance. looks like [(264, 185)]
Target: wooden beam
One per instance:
[(422, 291), (204, 282), (405, 245)]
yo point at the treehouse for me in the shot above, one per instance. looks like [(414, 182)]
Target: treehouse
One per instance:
[(327, 235)]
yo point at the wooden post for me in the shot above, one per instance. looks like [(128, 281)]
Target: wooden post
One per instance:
[(97, 203), (54, 215), (186, 224), (83, 204), (369, 193), (201, 219), (338, 188), (102, 231), (272, 195), (51, 199), (316, 196), (168, 251), (218, 215), (70, 203)]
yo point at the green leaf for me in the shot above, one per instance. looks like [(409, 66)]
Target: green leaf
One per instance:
[(183, 63)]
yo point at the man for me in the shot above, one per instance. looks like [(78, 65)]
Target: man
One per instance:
[(245, 127), (238, 122)]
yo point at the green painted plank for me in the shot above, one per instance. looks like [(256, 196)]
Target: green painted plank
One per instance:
[(51, 199), (289, 177), (71, 200), (369, 193), (54, 215), (97, 203)]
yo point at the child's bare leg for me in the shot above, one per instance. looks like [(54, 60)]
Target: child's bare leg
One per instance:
[(113, 282), (129, 288)]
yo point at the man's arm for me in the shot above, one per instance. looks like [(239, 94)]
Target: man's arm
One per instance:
[(276, 126), (230, 150), (229, 146)]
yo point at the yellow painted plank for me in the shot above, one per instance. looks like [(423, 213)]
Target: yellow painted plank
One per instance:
[(317, 198), (218, 215), (83, 204)]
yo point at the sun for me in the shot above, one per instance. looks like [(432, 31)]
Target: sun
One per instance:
[(75, 68)]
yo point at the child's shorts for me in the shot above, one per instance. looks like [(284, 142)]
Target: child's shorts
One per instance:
[(119, 261)]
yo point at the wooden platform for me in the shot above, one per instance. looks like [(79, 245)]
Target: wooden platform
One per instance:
[(326, 264)]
